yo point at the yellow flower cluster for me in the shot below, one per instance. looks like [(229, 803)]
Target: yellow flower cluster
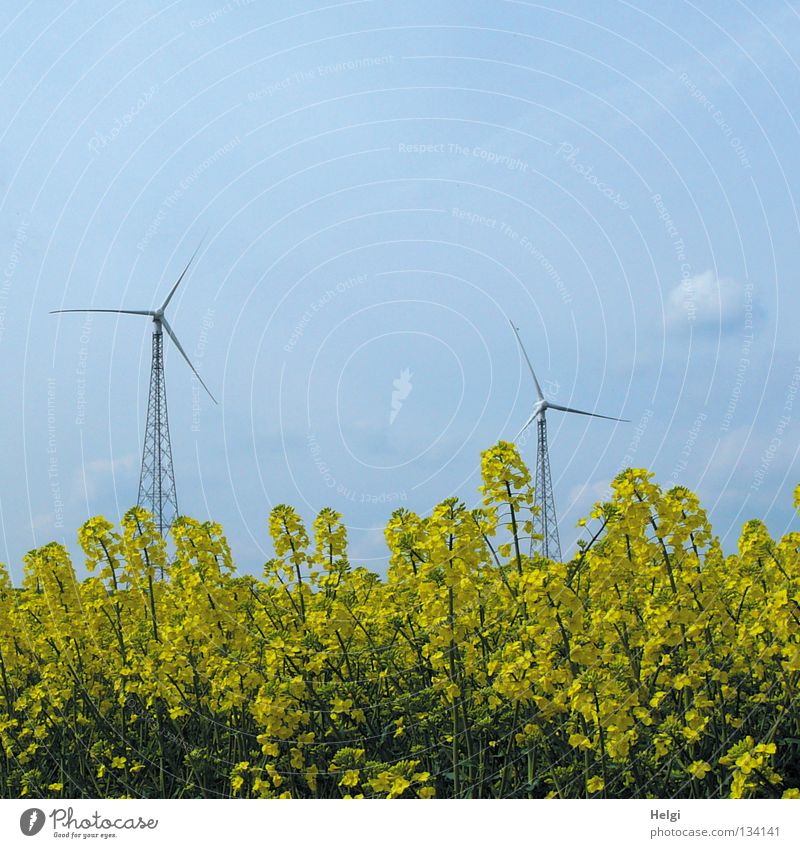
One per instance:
[(650, 665)]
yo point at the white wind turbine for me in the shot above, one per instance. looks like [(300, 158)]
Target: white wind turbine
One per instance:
[(545, 523), (157, 479)]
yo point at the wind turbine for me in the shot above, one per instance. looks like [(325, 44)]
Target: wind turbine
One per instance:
[(545, 523), (157, 479)]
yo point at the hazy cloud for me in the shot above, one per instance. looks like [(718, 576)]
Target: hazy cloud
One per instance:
[(706, 300)]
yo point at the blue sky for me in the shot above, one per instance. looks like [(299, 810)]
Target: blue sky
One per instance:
[(381, 183)]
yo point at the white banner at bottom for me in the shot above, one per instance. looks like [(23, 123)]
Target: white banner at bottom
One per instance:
[(338, 823)]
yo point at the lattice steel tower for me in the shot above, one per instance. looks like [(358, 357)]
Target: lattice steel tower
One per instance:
[(157, 479), (545, 523)]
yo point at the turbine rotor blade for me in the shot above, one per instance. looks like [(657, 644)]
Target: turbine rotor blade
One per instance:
[(527, 359), (115, 311), (525, 427), (183, 274), (583, 412), (174, 338)]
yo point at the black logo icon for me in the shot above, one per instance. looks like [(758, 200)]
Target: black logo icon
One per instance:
[(31, 821)]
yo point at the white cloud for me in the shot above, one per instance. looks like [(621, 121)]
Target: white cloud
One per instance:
[(707, 300), (110, 466), (97, 474), (584, 496)]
